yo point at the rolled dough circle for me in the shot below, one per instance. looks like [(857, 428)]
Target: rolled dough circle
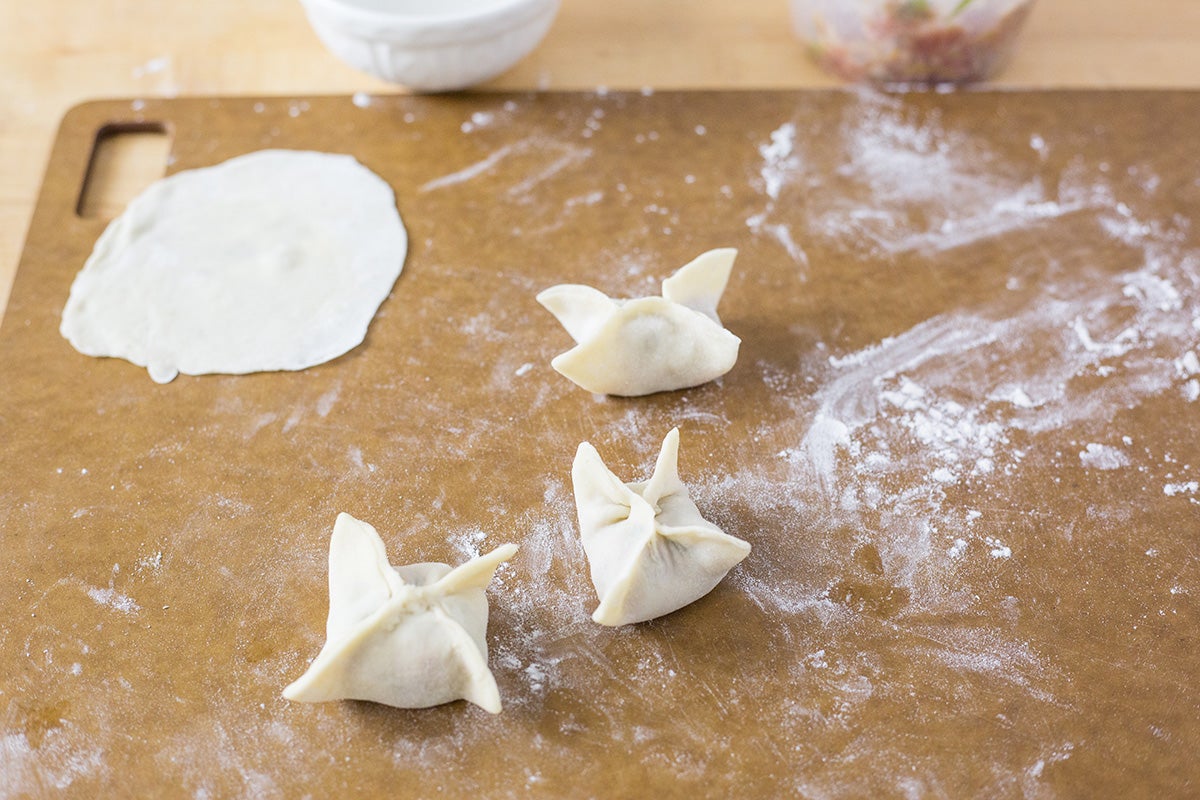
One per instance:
[(275, 260)]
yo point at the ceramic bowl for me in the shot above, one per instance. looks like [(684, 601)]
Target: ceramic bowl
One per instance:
[(431, 45)]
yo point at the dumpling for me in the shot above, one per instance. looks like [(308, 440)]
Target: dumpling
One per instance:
[(651, 344), (649, 550), (410, 636)]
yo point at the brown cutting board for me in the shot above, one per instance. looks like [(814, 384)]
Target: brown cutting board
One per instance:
[(961, 437)]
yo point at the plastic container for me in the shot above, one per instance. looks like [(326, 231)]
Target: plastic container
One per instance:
[(431, 45), (910, 41)]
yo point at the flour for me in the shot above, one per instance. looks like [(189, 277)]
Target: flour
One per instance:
[(326, 402), (568, 157), (57, 763), (531, 153), (467, 173), (902, 186), (898, 435), (780, 165), (780, 161), (901, 545), (997, 548), (1103, 457), (1188, 364), (152, 67), (114, 599), (151, 563), (159, 69), (480, 119)]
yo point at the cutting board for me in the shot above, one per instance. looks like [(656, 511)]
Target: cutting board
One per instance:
[(961, 438)]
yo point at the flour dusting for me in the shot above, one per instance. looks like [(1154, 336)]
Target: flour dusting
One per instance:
[(537, 160), (1100, 456), (939, 440), (114, 599), (915, 441), (55, 764), (467, 173), (780, 164)]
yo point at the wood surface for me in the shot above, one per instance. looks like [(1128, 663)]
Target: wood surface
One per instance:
[(56, 53), (958, 437)]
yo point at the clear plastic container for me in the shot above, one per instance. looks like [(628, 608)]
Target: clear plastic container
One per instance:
[(910, 41)]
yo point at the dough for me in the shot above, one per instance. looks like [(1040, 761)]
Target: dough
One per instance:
[(410, 637), (276, 260), (651, 344), (649, 550)]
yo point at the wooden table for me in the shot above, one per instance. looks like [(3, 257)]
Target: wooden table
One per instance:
[(56, 53), (958, 433)]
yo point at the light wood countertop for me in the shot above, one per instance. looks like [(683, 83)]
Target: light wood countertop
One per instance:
[(56, 53)]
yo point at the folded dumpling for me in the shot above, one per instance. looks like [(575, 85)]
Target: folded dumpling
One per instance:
[(410, 636), (649, 550), (651, 344)]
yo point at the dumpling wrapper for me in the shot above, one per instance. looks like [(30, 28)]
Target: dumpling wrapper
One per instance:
[(650, 344), (649, 550), (275, 260), (410, 636)]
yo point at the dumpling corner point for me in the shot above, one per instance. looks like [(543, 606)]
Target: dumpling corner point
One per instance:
[(649, 550), (651, 344), (411, 637)]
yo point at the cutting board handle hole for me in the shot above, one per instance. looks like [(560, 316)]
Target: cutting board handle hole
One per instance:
[(126, 158)]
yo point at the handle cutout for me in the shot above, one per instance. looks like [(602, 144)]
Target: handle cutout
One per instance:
[(126, 158)]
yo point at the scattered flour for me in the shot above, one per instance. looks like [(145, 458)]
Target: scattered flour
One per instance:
[(877, 507), (997, 548), (780, 163), (158, 69), (56, 764), (468, 172), (896, 434), (326, 402), (534, 153), (114, 599), (1101, 456), (779, 159), (152, 67), (480, 119)]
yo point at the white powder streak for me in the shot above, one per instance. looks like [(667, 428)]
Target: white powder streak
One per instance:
[(467, 173), (1103, 457), (780, 164), (114, 599), (569, 158), (779, 159)]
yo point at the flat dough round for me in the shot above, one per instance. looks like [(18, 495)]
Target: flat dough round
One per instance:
[(275, 260)]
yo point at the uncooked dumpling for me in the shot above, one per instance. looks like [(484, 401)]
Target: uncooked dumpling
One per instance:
[(651, 344), (410, 637), (649, 550), (276, 260)]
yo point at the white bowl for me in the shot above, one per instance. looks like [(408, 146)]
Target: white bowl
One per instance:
[(431, 45)]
